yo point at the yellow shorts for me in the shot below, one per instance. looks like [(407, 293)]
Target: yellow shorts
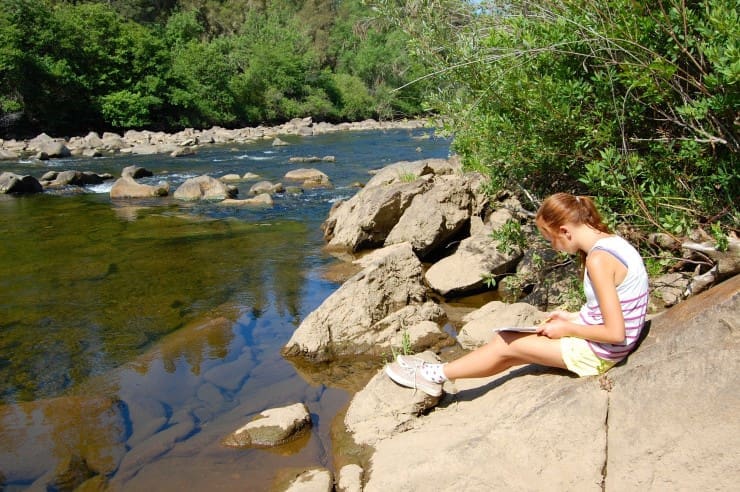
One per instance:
[(580, 359)]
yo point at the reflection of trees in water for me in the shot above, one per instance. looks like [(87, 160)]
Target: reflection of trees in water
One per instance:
[(78, 436), (87, 302), (207, 340)]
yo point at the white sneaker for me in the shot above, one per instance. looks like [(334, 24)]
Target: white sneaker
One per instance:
[(406, 371)]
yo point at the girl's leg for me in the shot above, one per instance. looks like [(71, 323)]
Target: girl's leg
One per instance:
[(506, 350)]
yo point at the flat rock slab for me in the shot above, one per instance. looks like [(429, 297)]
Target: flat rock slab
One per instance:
[(665, 419)]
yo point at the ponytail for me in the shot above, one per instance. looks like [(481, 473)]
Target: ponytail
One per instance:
[(564, 208)]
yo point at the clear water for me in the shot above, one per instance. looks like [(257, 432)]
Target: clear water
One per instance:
[(136, 334)]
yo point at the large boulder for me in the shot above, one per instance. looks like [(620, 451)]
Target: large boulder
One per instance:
[(54, 149), (93, 140), (127, 187), (365, 220), (367, 314), (403, 171), (12, 183), (435, 217), (203, 188), (8, 155), (113, 141), (664, 419), (479, 325), (383, 408), (475, 261)]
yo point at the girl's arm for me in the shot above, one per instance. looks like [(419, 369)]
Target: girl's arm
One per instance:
[(605, 272)]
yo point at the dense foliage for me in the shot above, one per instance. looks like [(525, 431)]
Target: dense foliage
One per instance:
[(635, 103), (71, 66)]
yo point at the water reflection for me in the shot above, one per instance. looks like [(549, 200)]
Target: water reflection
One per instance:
[(95, 291), (135, 335)]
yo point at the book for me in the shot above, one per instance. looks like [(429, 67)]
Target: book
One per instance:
[(521, 329)]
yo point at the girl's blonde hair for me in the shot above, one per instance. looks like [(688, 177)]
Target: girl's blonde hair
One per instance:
[(563, 208)]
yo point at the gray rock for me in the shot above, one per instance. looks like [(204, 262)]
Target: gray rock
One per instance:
[(183, 152), (144, 149), (668, 289), (309, 177), (350, 479), (467, 269), (383, 409), (435, 217), (316, 480), (113, 141), (353, 319), (11, 183), (127, 187), (8, 155), (54, 149), (135, 172), (479, 325), (261, 200), (365, 220), (312, 158), (272, 427), (93, 140), (402, 172), (664, 419), (91, 153), (230, 177), (266, 187), (54, 179), (203, 188)]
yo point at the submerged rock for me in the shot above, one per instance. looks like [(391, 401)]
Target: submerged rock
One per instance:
[(272, 427)]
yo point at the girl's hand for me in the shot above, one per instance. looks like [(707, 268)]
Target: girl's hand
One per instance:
[(556, 325)]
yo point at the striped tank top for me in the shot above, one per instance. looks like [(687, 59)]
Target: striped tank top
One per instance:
[(633, 297)]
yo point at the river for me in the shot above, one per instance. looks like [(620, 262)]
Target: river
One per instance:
[(134, 335)]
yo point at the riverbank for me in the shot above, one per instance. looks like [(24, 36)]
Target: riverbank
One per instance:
[(530, 428), (664, 419), (181, 143)]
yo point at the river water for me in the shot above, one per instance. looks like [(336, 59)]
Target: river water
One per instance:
[(135, 335)]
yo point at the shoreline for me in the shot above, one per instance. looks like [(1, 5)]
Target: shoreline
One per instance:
[(184, 142)]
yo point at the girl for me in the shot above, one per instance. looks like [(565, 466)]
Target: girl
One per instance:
[(588, 342)]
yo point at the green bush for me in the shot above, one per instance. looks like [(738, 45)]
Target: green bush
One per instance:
[(631, 102)]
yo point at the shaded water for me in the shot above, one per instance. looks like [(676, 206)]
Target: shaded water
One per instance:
[(134, 335)]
